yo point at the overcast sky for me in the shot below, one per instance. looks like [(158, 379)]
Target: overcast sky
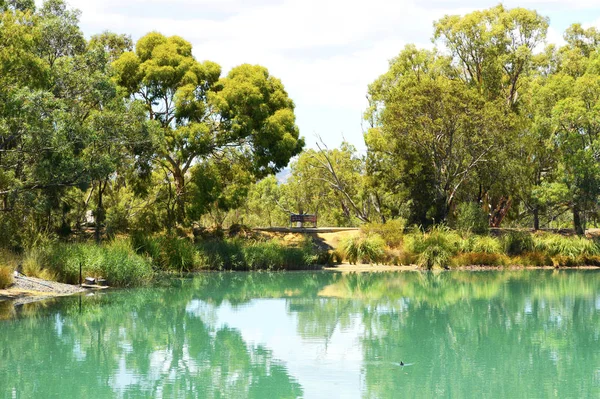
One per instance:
[(326, 52)]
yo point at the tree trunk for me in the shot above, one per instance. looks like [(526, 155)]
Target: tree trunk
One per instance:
[(536, 218), (577, 222), (99, 213), (179, 179)]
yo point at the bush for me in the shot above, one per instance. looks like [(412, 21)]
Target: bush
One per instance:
[(434, 248), (364, 248), (392, 231), (471, 217), (6, 277), (517, 242), (480, 259), (554, 244)]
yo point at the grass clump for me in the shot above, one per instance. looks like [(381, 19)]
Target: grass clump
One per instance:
[(391, 231), (434, 248), (9, 262), (572, 247), (6, 277), (364, 248), (517, 243)]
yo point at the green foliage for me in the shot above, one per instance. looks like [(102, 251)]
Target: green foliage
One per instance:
[(391, 231), (168, 253), (517, 242), (434, 248), (271, 255), (117, 262), (572, 247), (472, 218), (364, 248), (486, 244)]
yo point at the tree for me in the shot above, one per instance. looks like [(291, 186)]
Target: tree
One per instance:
[(438, 130), (202, 116)]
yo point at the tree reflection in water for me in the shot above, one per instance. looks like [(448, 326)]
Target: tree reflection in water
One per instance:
[(509, 334)]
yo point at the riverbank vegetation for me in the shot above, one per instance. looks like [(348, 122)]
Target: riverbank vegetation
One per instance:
[(119, 156)]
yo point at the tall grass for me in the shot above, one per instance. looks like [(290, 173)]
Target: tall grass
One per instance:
[(117, 262), (9, 262), (364, 248), (168, 253), (572, 247), (517, 243), (237, 254), (6, 277), (434, 248), (391, 231)]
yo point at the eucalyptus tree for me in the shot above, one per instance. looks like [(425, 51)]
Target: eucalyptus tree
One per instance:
[(202, 115)]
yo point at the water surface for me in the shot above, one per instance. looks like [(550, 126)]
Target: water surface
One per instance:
[(525, 334)]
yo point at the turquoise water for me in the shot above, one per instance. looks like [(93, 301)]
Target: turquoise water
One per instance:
[(526, 334)]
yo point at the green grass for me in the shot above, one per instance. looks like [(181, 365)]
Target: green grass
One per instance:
[(435, 248), (392, 231), (117, 262), (364, 248), (237, 254), (572, 247), (517, 243)]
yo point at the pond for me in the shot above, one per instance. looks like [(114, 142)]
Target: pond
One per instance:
[(314, 335)]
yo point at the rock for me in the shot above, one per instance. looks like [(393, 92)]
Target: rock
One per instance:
[(90, 280), (102, 281)]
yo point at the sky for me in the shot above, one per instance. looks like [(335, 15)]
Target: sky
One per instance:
[(326, 52)]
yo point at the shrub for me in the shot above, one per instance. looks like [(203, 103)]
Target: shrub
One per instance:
[(479, 259), (392, 231), (517, 242), (554, 244), (6, 277), (434, 248), (471, 217), (364, 248)]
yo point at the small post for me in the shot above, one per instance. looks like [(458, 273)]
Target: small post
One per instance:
[(80, 273)]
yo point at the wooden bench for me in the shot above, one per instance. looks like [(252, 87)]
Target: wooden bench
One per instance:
[(303, 218)]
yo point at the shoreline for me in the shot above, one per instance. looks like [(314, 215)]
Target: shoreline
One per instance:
[(29, 289)]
